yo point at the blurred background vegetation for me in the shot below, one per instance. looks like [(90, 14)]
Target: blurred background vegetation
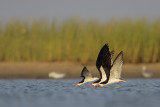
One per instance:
[(79, 40)]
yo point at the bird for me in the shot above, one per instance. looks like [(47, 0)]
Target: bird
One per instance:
[(146, 73), (87, 77), (56, 75), (103, 55), (113, 72)]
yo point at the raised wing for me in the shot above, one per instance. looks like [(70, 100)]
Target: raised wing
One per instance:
[(100, 55), (106, 64), (106, 58), (85, 73), (103, 61), (116, 69)]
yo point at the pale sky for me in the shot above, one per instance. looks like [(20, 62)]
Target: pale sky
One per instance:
[(63, 9)]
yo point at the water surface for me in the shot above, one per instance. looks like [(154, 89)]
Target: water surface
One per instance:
[(58, 93)]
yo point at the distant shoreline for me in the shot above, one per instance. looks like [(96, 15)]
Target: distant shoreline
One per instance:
[(35, 70)]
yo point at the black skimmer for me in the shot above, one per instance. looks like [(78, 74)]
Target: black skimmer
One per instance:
[(146, 73), (87, 77), (104, 58), (113, 73)]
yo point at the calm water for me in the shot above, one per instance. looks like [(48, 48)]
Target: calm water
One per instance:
[(58, 93)]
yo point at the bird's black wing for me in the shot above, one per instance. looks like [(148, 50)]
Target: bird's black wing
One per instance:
[(103, 55), (107, 62), (85, 73)]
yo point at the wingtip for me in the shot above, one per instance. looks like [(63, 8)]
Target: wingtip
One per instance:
[(106, 45), (84, 68), (121, 53)]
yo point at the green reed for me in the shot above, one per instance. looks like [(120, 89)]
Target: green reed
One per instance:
[(79, 40)]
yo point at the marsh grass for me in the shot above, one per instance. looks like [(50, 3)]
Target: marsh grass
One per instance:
[(79, 40)]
